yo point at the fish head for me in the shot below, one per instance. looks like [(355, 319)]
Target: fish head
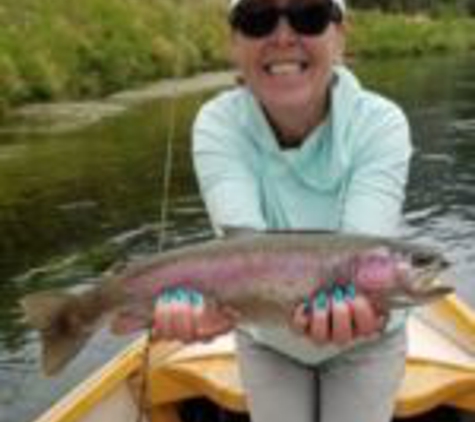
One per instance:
[(418, 280), (404, 276)]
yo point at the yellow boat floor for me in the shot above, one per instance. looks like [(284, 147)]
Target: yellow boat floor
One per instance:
[(440, 366), (440, 371)]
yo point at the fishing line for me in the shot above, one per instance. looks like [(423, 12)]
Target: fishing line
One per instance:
[(143, 405), (168, 167), (144, 410)]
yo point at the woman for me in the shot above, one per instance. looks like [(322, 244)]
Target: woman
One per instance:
[(300, 144)]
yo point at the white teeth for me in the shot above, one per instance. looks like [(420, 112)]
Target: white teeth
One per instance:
[(287, 68)]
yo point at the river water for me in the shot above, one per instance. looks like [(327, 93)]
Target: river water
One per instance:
[(74, 201)]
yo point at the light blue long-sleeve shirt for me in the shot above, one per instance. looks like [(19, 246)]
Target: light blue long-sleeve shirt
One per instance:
[(349, 174)]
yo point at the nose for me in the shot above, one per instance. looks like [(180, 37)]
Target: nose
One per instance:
[(284, 33)]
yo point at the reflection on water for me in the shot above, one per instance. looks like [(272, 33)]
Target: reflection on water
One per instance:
[(71, 204)]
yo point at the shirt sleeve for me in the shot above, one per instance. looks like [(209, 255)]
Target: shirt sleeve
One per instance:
[(227, 180), (376, 190)]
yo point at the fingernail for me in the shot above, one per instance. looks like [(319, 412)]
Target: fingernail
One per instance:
[(196, 299), (350, 291), (306, 305), (165, 297), (338, 295), (179, 295), (320, 301), (184, 295), (172, 295)]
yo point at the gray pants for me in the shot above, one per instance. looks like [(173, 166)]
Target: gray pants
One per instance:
[(359, 386)]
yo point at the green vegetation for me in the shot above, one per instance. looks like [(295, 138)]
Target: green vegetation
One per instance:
[(433, 7), (378, 34), (54, 49), (58, 49)]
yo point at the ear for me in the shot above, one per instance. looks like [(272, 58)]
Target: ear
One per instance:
[(340, 42), (234, 48), (234, 56)]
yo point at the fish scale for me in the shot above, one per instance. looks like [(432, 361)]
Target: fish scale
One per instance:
[(262, 275)]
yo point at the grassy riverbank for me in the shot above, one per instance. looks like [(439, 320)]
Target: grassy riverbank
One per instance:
[(376, 34), (58, 49)]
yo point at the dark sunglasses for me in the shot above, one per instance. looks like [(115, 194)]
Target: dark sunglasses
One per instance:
[(258, 19)]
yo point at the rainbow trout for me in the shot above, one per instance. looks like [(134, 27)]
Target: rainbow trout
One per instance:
[(263, 276)]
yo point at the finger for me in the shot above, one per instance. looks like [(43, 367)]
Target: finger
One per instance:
[(320, 323), (172, 316), (230, 313), (221, 325), (301, 318), (227, 318), (161, 318), (341, 319), (365, 318), (211, 326), (182, 318), (381, 320), (205, 330), (213, 322), (199, 317)]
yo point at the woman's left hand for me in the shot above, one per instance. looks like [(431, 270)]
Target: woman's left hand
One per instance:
[(338, 317)]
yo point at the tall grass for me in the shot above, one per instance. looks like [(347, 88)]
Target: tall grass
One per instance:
[(377, 34), (57, 49), (53, 49)]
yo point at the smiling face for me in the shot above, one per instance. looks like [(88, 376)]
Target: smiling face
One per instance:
[(288, 71)]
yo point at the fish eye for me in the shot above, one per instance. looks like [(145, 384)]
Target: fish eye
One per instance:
[(422, 259)]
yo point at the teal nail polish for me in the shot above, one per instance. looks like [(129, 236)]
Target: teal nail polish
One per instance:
[(179, 295), (196, 299), (351, 291), (165, 297), (320, 301), (338, 295), (187, 296), (184, 295), (175, 295)]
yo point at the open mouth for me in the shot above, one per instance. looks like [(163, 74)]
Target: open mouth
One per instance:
[(427, 267), (426, 288), (427, 282), (426, 276), (286, 68), (423, 281)]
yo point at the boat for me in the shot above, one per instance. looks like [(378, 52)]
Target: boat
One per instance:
[(440, 371)]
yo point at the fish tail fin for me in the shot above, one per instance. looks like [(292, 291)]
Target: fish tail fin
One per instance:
[(61, 323)]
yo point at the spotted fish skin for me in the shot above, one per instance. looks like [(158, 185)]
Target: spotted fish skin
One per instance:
[(262, 275)]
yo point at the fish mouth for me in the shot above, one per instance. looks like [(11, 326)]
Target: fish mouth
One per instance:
[(423, 283), (427, 266)]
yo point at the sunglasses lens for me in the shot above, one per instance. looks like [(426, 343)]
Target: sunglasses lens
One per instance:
[(310, 19), (254, 20)]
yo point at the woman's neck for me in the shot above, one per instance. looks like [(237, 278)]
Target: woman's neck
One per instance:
[(291, 127)]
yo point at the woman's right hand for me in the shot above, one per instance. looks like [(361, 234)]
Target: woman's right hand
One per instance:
[(340, 317), (183, 314)]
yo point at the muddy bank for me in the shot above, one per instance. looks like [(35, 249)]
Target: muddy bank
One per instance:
[(68, 116)]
